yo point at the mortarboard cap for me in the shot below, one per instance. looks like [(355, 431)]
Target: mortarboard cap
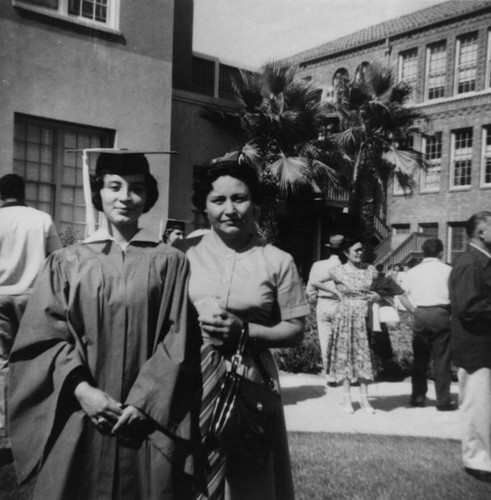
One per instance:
[(175, 224)]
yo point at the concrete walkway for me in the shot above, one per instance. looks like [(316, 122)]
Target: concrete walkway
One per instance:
[(310, 406)]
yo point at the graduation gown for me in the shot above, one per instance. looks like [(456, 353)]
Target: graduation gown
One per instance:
[(121, 316)]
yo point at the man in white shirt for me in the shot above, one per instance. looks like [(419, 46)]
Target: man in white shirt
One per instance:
[(321, 287), (426, 286), (27, 236)]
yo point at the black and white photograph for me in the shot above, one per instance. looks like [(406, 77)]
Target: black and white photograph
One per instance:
[(245, 249)]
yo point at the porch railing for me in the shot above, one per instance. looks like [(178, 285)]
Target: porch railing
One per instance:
[(412, 244)]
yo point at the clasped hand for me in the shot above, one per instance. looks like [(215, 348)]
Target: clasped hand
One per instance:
[(221, 327), (107, 414)]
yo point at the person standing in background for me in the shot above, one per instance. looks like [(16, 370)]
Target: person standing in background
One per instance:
[(427, 287), (174, 231), (320, 286), (470, 296), (27, 237)]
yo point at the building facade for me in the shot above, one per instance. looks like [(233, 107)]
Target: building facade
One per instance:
[(96, 73), (444, 52)]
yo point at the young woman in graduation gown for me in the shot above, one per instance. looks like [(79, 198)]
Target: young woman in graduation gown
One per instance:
[(100, 369)]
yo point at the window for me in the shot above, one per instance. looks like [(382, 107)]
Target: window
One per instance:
[(486, 157), (457, 240), (97, 13), (466, 65), (435, 70), (339, 82), (203, 75), (53, 177), (408, 68), (401, 228), (362, 71), (488, 69), (461, 163), (429, 229), (430, 178)]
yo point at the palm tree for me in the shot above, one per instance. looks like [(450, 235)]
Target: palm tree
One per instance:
[(282, 128), (375, 130)]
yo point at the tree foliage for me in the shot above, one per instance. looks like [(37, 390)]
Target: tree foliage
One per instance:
[(282, 128), (375, 129)]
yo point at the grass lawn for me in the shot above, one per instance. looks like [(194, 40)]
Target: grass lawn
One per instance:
[(358, 467), (373, 467)]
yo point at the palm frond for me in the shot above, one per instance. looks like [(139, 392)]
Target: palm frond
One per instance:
[(380, 78), (321, 170), (290, 172), (276, 76), (404, 161)]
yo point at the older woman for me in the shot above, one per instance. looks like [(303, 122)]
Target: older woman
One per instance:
[(100, 355), (236, 280), (349, 355)]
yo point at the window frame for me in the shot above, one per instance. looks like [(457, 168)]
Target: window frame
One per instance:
[(458, 63), (429, 48), (451, 226), (428, 225), (110, 26), (402, 55), (486, 133), (453, 135), (423, 175), (58, 180)]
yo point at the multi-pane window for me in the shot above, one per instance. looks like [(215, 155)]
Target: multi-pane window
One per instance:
[(461, 165), (401, 228), (90, 9), (429, 229), (53, 177), (430, 178), (457, 241), (466, 67), (98, 12), (435, 70), (408, 68), (486, 157)]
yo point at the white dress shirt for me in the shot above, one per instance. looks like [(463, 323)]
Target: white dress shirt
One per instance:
[(427, 283)]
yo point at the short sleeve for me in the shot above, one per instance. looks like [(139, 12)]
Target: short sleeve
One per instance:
[(52, 239), (291, 298), (337, 272)]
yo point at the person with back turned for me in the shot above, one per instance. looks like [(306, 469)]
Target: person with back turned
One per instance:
[(27, 237), (427, 287)]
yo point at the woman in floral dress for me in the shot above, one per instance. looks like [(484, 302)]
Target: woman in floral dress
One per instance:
[(349, 355)]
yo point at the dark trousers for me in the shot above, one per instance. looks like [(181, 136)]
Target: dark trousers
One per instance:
[(431, 336)]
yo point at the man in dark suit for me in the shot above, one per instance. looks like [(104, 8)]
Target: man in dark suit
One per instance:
[(470, 296)]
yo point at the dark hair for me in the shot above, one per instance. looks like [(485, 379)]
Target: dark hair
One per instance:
[(379, 268), (349, 241), (346, 244), (12, 186), (203, 181), (432, 247), (97, 183), (474, 221)]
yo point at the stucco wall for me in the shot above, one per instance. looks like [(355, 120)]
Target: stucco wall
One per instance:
[(197, 141), (59, 72)]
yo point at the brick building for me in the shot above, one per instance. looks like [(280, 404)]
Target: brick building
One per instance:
[(445, 53)]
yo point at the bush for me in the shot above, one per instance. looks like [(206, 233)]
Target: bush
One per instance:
[(307, 357), (69, 236)]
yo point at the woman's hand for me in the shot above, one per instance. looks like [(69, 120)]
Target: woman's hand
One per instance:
[(101, 408), (221, 328), (374, 297), (131, 417)]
